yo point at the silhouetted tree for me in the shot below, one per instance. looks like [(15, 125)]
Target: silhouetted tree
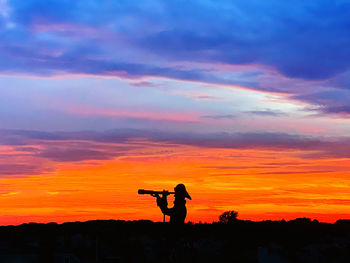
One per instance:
[(228, 217)]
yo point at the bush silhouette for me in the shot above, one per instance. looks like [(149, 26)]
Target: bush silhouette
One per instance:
[(228, 217)]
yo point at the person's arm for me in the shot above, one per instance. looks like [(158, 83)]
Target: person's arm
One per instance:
[(162, 202)]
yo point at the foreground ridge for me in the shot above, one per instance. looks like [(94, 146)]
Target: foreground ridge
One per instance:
[(299, 240)]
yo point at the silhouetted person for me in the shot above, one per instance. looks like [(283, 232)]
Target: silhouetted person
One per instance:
[(178, 212)]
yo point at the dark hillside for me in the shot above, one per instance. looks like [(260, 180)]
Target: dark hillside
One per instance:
[(299, 240)]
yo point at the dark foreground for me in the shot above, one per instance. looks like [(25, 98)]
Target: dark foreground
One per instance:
[(143, 241)]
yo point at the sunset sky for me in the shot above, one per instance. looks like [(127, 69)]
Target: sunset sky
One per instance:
[(246, 102)]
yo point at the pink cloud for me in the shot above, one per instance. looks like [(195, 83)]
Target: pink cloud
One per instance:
[(66, 28), (138, 114)]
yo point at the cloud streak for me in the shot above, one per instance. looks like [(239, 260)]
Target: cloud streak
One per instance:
[(79, 146), (270, 113), (219, 117)]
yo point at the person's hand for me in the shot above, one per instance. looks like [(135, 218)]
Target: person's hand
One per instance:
[(165, 193)]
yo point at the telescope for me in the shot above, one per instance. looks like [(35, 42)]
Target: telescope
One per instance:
[(150, 192), (154, 194)]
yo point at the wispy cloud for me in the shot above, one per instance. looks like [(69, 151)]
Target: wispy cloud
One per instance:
[(13, 169), (266, 113), (219, 117), (77, 146), (155, 115)]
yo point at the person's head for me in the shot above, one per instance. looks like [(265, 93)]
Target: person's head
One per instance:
[(180, 191)]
